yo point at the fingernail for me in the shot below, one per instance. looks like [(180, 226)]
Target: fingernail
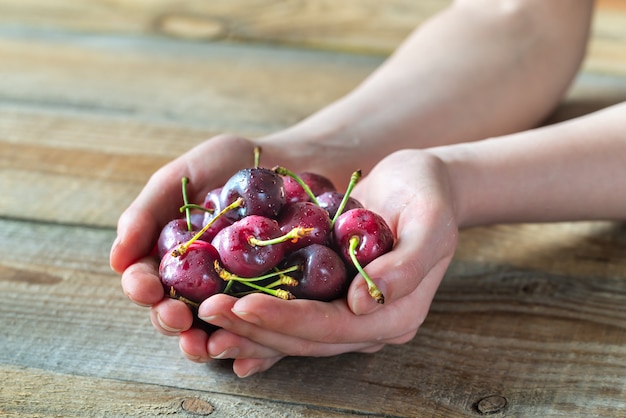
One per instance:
[(116, 242), (230, 352), (166, 327), (217, 320), (247, 316), (250, 372), (189, 356), (362, 303), (114, 246)]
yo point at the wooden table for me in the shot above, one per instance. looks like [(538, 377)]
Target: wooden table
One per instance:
[(94, 96)]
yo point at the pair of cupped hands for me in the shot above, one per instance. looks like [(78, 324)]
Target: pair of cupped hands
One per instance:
[(409, 188)]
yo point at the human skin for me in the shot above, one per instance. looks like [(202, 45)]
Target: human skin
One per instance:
[(570, 171), (469, 73)]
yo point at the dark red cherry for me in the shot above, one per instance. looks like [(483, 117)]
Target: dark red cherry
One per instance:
[(375, 238), (261, 189), (306, 215), (361, 236), (174, 233), (192, 274), (242, 258), (331, 201), (321, 274), (212, 202), (317, 183)]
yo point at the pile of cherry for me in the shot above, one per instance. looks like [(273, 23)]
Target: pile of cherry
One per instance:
[(273, 231)]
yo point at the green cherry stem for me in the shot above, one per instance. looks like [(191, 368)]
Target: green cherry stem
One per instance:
[(354, 179), (257, 156), (182, 248), (184, 182), (188, 206), (286, 172), (279, 293), (372, 289), (283, 278), (294, 235)]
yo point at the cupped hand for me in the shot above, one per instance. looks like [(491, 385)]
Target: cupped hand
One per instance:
[(207, 166), (410, 190)]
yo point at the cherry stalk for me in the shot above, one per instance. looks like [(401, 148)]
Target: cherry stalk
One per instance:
[(182, 248), (286, 172), (354, 178), (372, 289), (250, 282)]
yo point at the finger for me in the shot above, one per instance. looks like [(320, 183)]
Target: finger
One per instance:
[(198, 346), (249, 366), (224, 344), (141, 284), (421, 246), (171, 317), (218, 310), (159, 202), (416, 206), (193, 345), (309, 322)]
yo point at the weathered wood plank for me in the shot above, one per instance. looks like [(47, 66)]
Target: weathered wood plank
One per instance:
[(355, 24), (85, 144), (208, 86), (606, 53), (38, 393), (368, 26), (550, 339)]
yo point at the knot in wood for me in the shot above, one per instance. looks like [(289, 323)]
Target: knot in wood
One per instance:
[(195, 406), (491, 404)]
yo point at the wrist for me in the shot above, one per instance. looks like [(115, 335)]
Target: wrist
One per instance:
[(326, 143), (465, 183)]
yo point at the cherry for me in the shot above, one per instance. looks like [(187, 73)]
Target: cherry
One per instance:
[(192, 275), (321, 273), (239, 255), (262, 191), (332, 200), (294, 191), (178, 231), (213, 205), (174, 233), (360, 236), (307, 215), (260, 220), (336, 203)]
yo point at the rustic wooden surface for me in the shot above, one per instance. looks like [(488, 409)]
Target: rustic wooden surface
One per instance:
[(94, 96)]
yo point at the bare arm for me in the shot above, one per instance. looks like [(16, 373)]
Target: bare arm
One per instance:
[(574, 170), (476, 70)]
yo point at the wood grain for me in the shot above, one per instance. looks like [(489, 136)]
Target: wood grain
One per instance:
[(549, 343), (208, 86), (369, 25), (366, 26), (530, 320), (85, 135), (37, 393)]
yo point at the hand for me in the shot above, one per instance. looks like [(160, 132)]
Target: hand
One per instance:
[(207, 165), (410, 190)]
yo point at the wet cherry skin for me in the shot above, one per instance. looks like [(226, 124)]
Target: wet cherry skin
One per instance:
[(322, 274), (375, 236), (242, 258)]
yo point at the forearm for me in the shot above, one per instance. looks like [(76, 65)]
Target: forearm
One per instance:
[(475, 70), (575, 170)]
